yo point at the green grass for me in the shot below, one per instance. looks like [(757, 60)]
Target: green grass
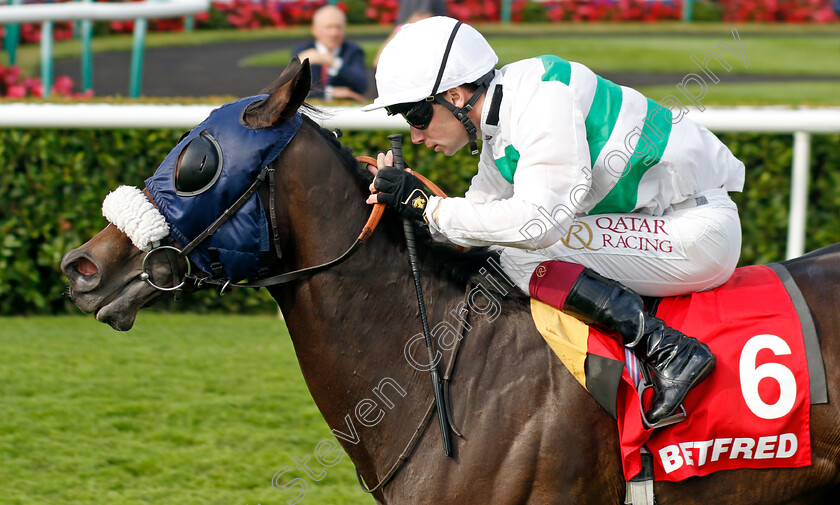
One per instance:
[(653, 53), (671, 53), (182, 409)]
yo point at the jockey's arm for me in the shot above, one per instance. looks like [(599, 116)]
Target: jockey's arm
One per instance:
[(550, 157)]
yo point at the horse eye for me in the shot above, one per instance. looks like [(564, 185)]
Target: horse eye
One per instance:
[(199, 167)]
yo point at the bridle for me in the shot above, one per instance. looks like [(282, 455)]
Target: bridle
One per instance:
[(166, 245), (217, 279)]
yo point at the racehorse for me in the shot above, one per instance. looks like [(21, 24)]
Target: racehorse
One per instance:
[(530, 433)]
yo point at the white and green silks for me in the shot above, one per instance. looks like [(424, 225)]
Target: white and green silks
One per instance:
[(569, 143)]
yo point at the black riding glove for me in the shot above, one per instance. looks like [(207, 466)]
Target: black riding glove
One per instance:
[(402, 191)]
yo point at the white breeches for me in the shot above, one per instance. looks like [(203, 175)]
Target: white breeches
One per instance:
[(693, 246)]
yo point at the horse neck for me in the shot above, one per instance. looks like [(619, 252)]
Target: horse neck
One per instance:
[(349, 325)]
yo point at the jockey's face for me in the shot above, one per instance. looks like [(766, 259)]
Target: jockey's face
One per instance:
[(445, 133)]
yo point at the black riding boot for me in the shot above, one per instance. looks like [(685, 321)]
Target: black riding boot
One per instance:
[(677, 362)]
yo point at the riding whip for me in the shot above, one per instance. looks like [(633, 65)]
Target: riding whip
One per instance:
[(437, 385)]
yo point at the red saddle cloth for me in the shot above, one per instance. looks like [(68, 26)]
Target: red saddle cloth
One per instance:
[(753, 411)]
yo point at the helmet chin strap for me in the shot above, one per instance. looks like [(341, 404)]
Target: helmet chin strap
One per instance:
[(461, 112)]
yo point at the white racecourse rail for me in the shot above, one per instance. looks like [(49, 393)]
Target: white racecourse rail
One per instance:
[(801, 122), (73, 11)]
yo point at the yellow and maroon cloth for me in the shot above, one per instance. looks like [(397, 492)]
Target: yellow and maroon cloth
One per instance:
[(753, 411)]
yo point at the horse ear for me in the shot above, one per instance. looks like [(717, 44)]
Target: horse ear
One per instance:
[(286, 95)]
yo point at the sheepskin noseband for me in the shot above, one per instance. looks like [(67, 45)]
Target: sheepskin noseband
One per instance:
[(128, 209)]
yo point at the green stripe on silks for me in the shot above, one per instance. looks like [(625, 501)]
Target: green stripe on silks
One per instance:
[(654, 137), (602, 378), (556, 69), (603, 114), (507, 165)]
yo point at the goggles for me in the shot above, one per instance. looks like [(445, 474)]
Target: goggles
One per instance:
[(417, 115)]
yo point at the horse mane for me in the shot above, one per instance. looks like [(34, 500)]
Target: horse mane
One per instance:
[(345, 153), (457, 266)]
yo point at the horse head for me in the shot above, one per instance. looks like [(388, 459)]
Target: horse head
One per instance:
[(119, 270)]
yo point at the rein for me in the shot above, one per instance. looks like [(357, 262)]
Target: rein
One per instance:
[(427, 417), (367, 231)]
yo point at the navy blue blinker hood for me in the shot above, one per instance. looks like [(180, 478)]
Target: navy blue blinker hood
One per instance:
[(234, 154)]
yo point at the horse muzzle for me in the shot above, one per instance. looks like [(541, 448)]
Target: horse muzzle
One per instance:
[(114, 299)]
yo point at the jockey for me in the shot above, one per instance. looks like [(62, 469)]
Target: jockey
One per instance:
[(593, 194)]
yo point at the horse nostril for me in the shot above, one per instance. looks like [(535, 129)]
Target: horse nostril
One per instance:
[(85, 267), (78, 267)]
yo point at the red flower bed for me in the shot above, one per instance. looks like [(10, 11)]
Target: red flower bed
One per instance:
[(154, 25), (383, 12), (792, 11), (603, 10), (475, 10), (796, 11), (30, 33), (14, 85), (247, 14)]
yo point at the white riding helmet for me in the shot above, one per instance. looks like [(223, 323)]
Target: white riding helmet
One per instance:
[(409, 65)]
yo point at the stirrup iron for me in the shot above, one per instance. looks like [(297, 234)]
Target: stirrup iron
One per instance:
[(646, 384)]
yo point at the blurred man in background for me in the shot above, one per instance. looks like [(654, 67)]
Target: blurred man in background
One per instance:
[(338, 66)]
